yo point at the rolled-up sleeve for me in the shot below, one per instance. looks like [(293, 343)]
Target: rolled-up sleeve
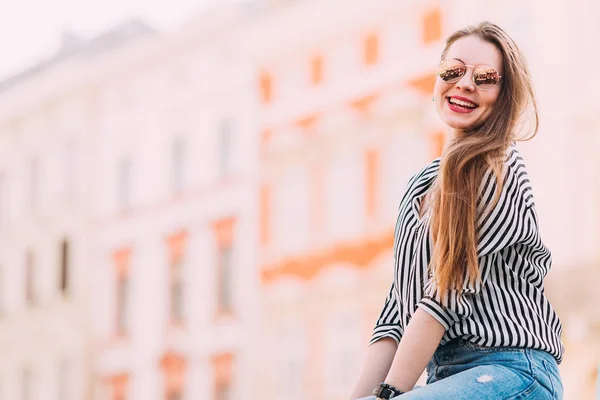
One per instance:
[(509, 222), (388, 323)]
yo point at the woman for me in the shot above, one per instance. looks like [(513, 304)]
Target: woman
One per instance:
[(467, 301)]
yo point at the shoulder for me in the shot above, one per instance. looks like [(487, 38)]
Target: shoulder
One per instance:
[(517, 175), (419, 180), (427, 171), (514, 160), (514, 176)]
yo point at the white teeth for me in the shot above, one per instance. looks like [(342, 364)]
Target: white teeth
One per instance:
[(462, 103)]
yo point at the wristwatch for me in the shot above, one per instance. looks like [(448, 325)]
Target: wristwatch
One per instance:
[(386, 391)]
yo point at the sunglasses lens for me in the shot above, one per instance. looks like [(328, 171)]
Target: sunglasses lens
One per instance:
[(451, 70), (485, 77)]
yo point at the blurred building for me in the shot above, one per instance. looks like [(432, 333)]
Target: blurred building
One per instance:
[(47, 126), (208, 214), (175, 167)]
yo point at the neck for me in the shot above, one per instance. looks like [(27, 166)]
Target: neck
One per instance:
[(449, 136)]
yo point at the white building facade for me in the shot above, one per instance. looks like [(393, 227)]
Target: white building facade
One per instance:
[(46, 125), (174, 216)]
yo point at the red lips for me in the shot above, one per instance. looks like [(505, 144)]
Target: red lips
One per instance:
[(460, 109)]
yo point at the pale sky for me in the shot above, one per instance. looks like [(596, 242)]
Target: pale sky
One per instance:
[(30, 29)]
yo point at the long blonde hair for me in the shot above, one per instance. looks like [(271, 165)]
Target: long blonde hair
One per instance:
[(469, 155)]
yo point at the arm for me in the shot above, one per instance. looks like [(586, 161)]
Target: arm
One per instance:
[(383, 345), (377, 364), (420, 340)]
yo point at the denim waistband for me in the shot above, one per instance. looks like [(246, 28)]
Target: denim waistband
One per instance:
[(460, 344)]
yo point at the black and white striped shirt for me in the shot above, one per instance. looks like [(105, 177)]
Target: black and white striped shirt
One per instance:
[(507, 307)]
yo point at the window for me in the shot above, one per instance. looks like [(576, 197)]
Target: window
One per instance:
[(222, 365), (122, 297), (371, 49), (223, 230), (64, 266), (119, 385), (176, 246), (173, 366), (33, 183), (265, 214), (223, 391), (177, 164), (177, 291), (225, 147), (124, 184), (316, 69), (266, 87), (432, 25), (225, 271), (372, 181), (122, 259), (30, 270)]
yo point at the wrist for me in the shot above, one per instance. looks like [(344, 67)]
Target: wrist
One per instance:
[(386, 391)]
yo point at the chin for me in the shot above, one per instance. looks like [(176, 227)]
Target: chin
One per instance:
[(461, 125)]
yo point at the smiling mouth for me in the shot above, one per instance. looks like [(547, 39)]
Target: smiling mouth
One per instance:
[(462, 103), (460, 106)]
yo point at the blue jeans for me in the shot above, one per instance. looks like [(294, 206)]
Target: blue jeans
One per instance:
[(462, 370)]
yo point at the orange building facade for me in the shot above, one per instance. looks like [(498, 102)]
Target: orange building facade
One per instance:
[(346, 120)]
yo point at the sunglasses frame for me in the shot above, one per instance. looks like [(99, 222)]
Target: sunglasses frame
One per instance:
[(454, 80)]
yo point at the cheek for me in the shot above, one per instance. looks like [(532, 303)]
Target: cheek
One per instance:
[(490, 98), (439, 88)]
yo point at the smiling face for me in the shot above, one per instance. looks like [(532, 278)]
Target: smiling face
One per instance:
[(450, 98)]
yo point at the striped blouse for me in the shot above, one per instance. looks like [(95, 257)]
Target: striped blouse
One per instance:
[(507, 307)]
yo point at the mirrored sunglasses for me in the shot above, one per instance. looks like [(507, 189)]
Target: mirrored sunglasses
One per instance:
[(484, 77)]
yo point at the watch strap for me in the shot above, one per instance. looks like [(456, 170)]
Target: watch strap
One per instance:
[(386, 391)]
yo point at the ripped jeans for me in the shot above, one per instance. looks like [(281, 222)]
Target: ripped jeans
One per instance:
[(462, 370)]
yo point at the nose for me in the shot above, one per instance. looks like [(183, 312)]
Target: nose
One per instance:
[(466, 81)]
